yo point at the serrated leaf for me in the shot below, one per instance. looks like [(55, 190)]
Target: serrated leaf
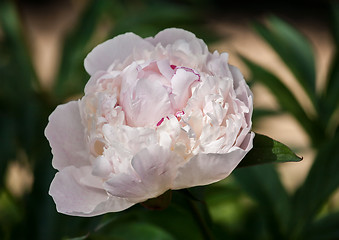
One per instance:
[(286, 100), (267, 150), (295, 51)]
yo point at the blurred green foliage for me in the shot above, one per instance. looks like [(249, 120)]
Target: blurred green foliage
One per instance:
[(252, 204), (304, 208)]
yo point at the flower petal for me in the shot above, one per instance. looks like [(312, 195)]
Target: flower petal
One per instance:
[(129, 138), (77, 192), (181, 82), (65, 134), (172, 35), (155, 168), (145, 104), (211, 167), (117, 49)]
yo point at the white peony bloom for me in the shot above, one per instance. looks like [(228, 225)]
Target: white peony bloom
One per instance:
[(158, 113)]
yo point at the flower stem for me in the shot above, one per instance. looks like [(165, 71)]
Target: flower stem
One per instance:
[(206, 231)]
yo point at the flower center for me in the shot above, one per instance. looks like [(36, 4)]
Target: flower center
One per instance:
[(178, 115), (154, 90)]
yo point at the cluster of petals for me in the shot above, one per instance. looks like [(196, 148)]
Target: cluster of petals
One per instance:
[(158, 113)]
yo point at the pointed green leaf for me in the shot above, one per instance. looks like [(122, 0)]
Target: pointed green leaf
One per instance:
[(267, 150), (295, 51), (286, 99)]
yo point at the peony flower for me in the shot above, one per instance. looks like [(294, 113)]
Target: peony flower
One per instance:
[(158, 113)]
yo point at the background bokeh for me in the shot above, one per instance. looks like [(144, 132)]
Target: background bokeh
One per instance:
[(287, 51)]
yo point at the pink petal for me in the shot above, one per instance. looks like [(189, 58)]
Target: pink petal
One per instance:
[(155, 169), (117, 49), (165, 69), (208, 168), (146, 104), (65, 134), (76, 192), (129, 138), (171, 35), (181, 82)]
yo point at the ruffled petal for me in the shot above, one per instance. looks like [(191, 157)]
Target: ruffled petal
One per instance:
[(172, 35), (155, 169), (77, 192), (146, 104), (117, 49), (208, 168), (181, 82), (65, 134), (129, 138)]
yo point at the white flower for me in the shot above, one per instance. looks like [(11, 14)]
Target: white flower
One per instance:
[(158, 113)]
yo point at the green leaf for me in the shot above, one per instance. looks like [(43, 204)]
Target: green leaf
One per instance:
[(259, 113), (77, 238), (325, 228), (10, 213), (335, 21), (263, 185), (295, 51), (227, 204), (181, 218), (15, 41), (196, 193), (330, 97), (286, 100), (148, 20), (322, 180), (71, 75), (8, 146), (159, 203), (267, 150), (141, 231), (178, 219)]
